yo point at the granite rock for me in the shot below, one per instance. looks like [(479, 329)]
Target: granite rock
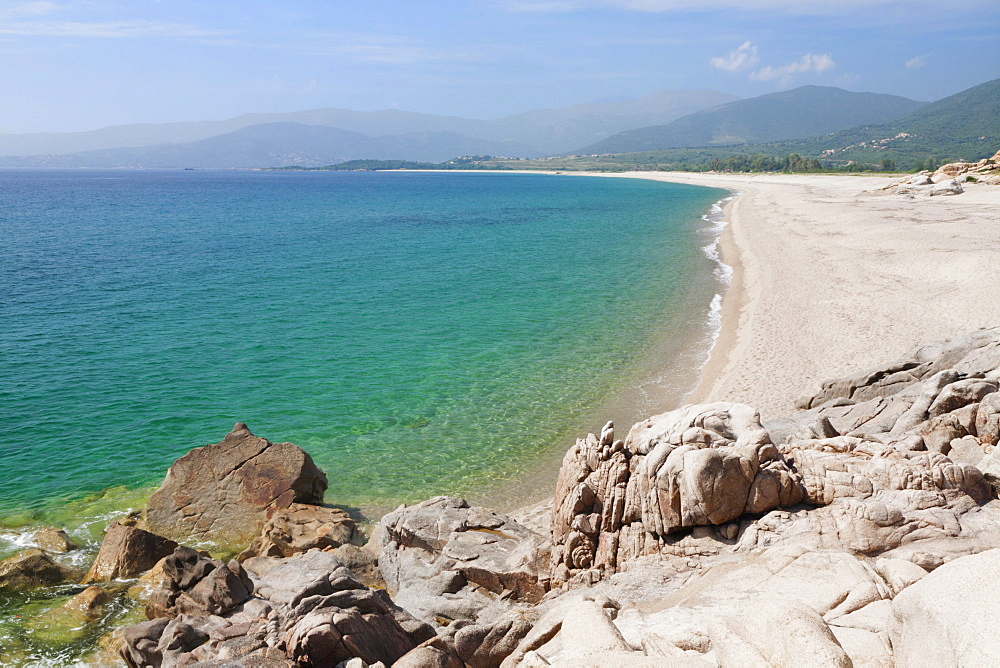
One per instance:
[(222, 492)]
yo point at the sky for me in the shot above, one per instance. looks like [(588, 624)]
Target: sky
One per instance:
[(74, 65)]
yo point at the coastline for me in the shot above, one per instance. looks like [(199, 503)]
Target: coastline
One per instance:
[(828, 280), (734, 300)]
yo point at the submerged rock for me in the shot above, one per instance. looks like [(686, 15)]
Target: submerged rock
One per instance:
[(33, 568), (221, 493), (54, 540)]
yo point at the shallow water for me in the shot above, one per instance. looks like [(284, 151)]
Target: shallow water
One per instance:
[(417, 333)]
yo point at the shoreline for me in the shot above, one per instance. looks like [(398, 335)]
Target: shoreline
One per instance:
[(734, 300), (830, 279)]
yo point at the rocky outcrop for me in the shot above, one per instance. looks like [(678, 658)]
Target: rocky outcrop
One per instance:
[(307, 610), (864, 527), (197, 585), (924, 184), (300, 528), (221, 493), (948, 179), (33, 568), (127, 552), (698, 466), (986, 170), (445, 561)]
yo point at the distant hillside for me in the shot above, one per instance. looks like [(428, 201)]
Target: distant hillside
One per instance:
[(964, 126), (539, 132), (276, 145), (807, 111)]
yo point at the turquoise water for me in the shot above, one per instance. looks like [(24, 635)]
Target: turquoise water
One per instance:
[(417, 333)]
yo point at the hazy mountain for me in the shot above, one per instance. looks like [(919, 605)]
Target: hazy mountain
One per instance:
[(561, 130), (540, 132), (276, 145), (964, 126), (807, 111)]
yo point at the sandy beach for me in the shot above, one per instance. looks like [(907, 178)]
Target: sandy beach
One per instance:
[(830, 280)]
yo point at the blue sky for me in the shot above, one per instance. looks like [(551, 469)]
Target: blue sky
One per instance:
[(82, 64)]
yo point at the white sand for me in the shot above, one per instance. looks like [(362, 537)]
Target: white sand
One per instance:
[(830, 281)]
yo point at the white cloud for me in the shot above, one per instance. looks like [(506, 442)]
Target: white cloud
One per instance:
[(106, 29), (743, 58), (13, 10), (808, 63), (919, 61)]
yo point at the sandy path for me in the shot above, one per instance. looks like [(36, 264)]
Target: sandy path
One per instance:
[(830, 281)]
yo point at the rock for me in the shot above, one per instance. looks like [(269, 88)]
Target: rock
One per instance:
[(32, 568), (362, 563), (949, 616), (866, 649), (326, 636), (485, 645), (55, 540), (300, 528), (433, 653), (899, 573), (198, 585), (160, 642), (698, 466), (443, 559), (747, 637), (126, 552), (89, 601), (72, 620), (280, 580), (222, 492)]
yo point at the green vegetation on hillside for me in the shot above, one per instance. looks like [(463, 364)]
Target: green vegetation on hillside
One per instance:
[(806, 111)]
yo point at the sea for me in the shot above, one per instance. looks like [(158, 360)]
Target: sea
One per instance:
[(418, 333)]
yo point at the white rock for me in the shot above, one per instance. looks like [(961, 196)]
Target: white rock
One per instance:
[(899, 573), (950, 617)]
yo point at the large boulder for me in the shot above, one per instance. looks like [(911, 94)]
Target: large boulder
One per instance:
[(703, 465), (127, 552), (221, 493), (33, 568), (443, 560), (950, 616)]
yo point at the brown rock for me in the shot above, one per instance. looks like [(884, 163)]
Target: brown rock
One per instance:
[(32, 568), (222, 492), (89, 601), (51, 539), (196, 585), (126, 552), (302, 527)]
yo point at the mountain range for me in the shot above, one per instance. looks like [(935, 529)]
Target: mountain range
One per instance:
[(670, 128), (362, 134), (964, 126), (807, 111)]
